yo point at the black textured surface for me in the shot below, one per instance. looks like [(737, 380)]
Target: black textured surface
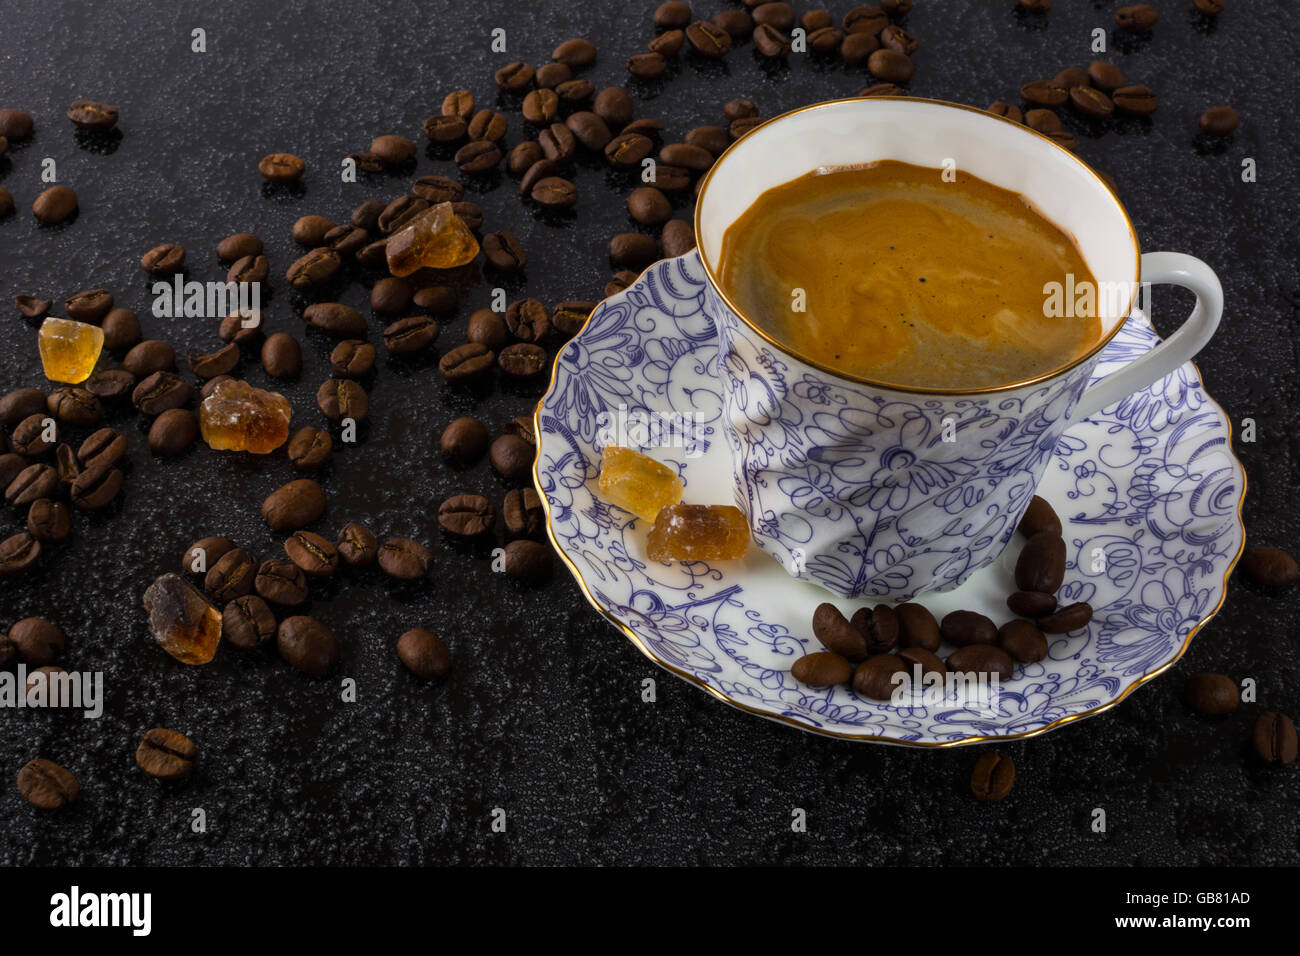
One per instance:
[(542, 715)]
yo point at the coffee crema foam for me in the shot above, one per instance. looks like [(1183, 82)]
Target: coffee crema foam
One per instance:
[(907, 279)]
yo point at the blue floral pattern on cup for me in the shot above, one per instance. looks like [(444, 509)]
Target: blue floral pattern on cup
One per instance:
[(1148, 489)]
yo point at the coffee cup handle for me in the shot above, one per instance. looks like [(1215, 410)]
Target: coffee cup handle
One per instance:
[(1174, 268)]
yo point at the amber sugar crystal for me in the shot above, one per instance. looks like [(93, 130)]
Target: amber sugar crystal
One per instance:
[(182, 620), (239, 417), (698, 533), (436, 239), (637, 483), (69, 350)]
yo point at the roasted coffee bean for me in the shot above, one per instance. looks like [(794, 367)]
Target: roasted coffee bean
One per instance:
[(1210, 8), (857, 48), (1274, 738), (424, 654), (173, 432), (404, 559), (161, 391), (347, 240), (469, 213), (540, 107), (921, 662), (1044, 121), (18, 553), (504, 251), (282, 168), (528, 561), (523, 156), (899, 40), (523, 514), (964, 628), (1044, 93), (880, 627), (281, 582), (163, 260), (865, 20), (522, 359), (231, 576), (31, 307), (1006, 109), (165, 754), (1064, 139), (357, 546), (521, 426), (466, 362), (465, 439), (527, 320), (712, 139), (981, 659), (738, 24), (121, 330), (1091, 103), (49, 520), (771, 42), (575, 91), (1135, 100), (104, 447), (554, 192), (89, 306), (15, 125), (466, 515), (1270, 566), (281, 356), (204, 553), (881, 89), (1212, 694), (1041, 565), (668, 44), (776, 14), (1219, 121), (248, 270), (1136, 18), (314, 269), (1072, 77), (825, 40), (34, 435), (220, 362), (633, 249), (478, 156), (677, 238), (569, 317), (410, 335), (674, 14), (619, 282), (19, 404), (558, 143), (488, 125), (32, 483), (993, 777), (393, 150), (438, 299), (352, 358), (1067, 619), (312, 553), (294, 505), (1038, 517), (46, 785), (308, 231), (390, 296), (240, 329), (308, 645), (1031, 604), (1035, 6), (68, 465), (589, 130), (7, 652), (822, 669), (578, 52), (551, 75), (917, 627), (336, 318), (878, 677), (239, 245), (511, 456), (816, 20), (148, 357), (708, 39), (340, 398), (486, 328), (1105, 76), (37, 641), (57, 204), (647, 66), (626, 150), (889, 65), (458, 103), (736, 130), (1022, 641), (514, 77), (95, 487), (683, 154), (366, 215), (309, 448), (74, 405), (839, 635)]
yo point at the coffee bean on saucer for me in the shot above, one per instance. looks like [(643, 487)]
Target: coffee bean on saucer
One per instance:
[(875, 677), (165, 754), (1274, 738), (1212, 694), (95, 487), (424, 654), (837, 634), (466, 362), (1135, 100), (37, 641), (522, 513), (404, 559), (1219, 121), (1007, 110), (1136, 18), (965, 628), (1031, 604), (18, 553), (231, 576), (1044, 93), (247, 622), (1270, 566), (917, 627), (294, 505), (981, 659), (511, 456), (46, 785), (340, 398), (993, 777), (281, 582), (312, 553), (822, 669), (1041, 565), (466, 515), (528, 561), (927, 661), (1039, 516), (308, 645), (880, 626), (173, 432), (1091, 103), (1022, 641), (55, 205), (309, 448), (163, 260), (357, 546), (1072, 617), (49, 520)]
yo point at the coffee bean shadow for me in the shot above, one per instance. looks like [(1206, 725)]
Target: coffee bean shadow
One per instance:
[(1088, 126), (98, 142), (1133, 126), (442, 152), (1029, 20), (6, 166), (284, 192), (822, 63), (1202, 24), (707, 68), (1206, 145), (649, 90), (406, 366), (775, 68), (481, 183), (479, 389), (477, 547), (59, 226), (554, 218), (1125, 42), (530, 386), (514, 281)]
